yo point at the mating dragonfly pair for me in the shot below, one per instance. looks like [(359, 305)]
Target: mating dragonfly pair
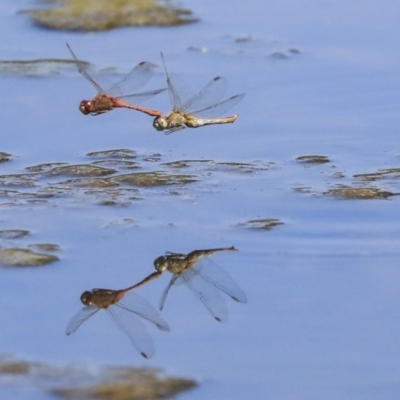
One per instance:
[(191, 112), (203, 277)]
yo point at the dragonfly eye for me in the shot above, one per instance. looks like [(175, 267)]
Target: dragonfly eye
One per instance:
[(160, 264), (160, 123), (85, 107), (86, 298)]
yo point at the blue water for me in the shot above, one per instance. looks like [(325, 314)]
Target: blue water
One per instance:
[(322, 320)]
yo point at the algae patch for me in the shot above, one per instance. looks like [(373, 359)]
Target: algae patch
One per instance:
[(99, 15), (263, 224), (81, 382), (17, 257), (313, 159), (361, 193)]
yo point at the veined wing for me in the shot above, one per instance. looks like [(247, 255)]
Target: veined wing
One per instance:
[(207, 293), (173, 93), (140, 97), (138, 305), (166, 290), (211, 94), (134, 328), (218, 109), (79, 318), (217, 276), (133, 81), (82, 70)]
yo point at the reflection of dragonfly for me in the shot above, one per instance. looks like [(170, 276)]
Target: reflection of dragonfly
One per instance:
[(121, 314), (203, 278), (108, 100), (189, 112)]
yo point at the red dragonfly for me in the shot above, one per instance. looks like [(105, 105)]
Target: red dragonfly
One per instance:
[(122, 309), (107, 100)]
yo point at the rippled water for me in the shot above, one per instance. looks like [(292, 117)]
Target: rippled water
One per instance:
[(322, 318)]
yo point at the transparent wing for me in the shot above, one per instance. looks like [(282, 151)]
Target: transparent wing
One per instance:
[(207, 293), (79, 318), (214, 274), (218, 109), (134, 80), (173, 93), (82, 69), (140, 97), (166, 290), (138, 305), (134, 328), (211, 94)]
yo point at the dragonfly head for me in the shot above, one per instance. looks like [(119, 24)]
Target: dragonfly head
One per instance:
[(87, 298), (161, 263), (85, 107), (160, 123)]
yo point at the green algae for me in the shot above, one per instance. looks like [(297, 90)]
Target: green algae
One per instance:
[(99, 15)]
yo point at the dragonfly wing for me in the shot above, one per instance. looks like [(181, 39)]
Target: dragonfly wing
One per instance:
[(79, 318), (211, 94), (174, 94), (139, 306), (134, 328), (207, 293), (134, 80), (83, 70), (217, 276), (218, 109), (140, 97), (166, 290)]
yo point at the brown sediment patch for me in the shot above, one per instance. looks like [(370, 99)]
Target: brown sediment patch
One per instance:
[(4, 157), (313, 159), (99, 15), (120, 154), (17, 257), (361, 193), (46, 167), (119, 164), (45, 246), (40, 67), (78, 382), (263, 224), (219, 166), (156, 178), (13, 233), (142, 386), (388, 173), (85, 170)]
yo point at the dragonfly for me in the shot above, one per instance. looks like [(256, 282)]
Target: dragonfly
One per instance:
[(202, 276), (193, 111), (124, 309), (107, 100)]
